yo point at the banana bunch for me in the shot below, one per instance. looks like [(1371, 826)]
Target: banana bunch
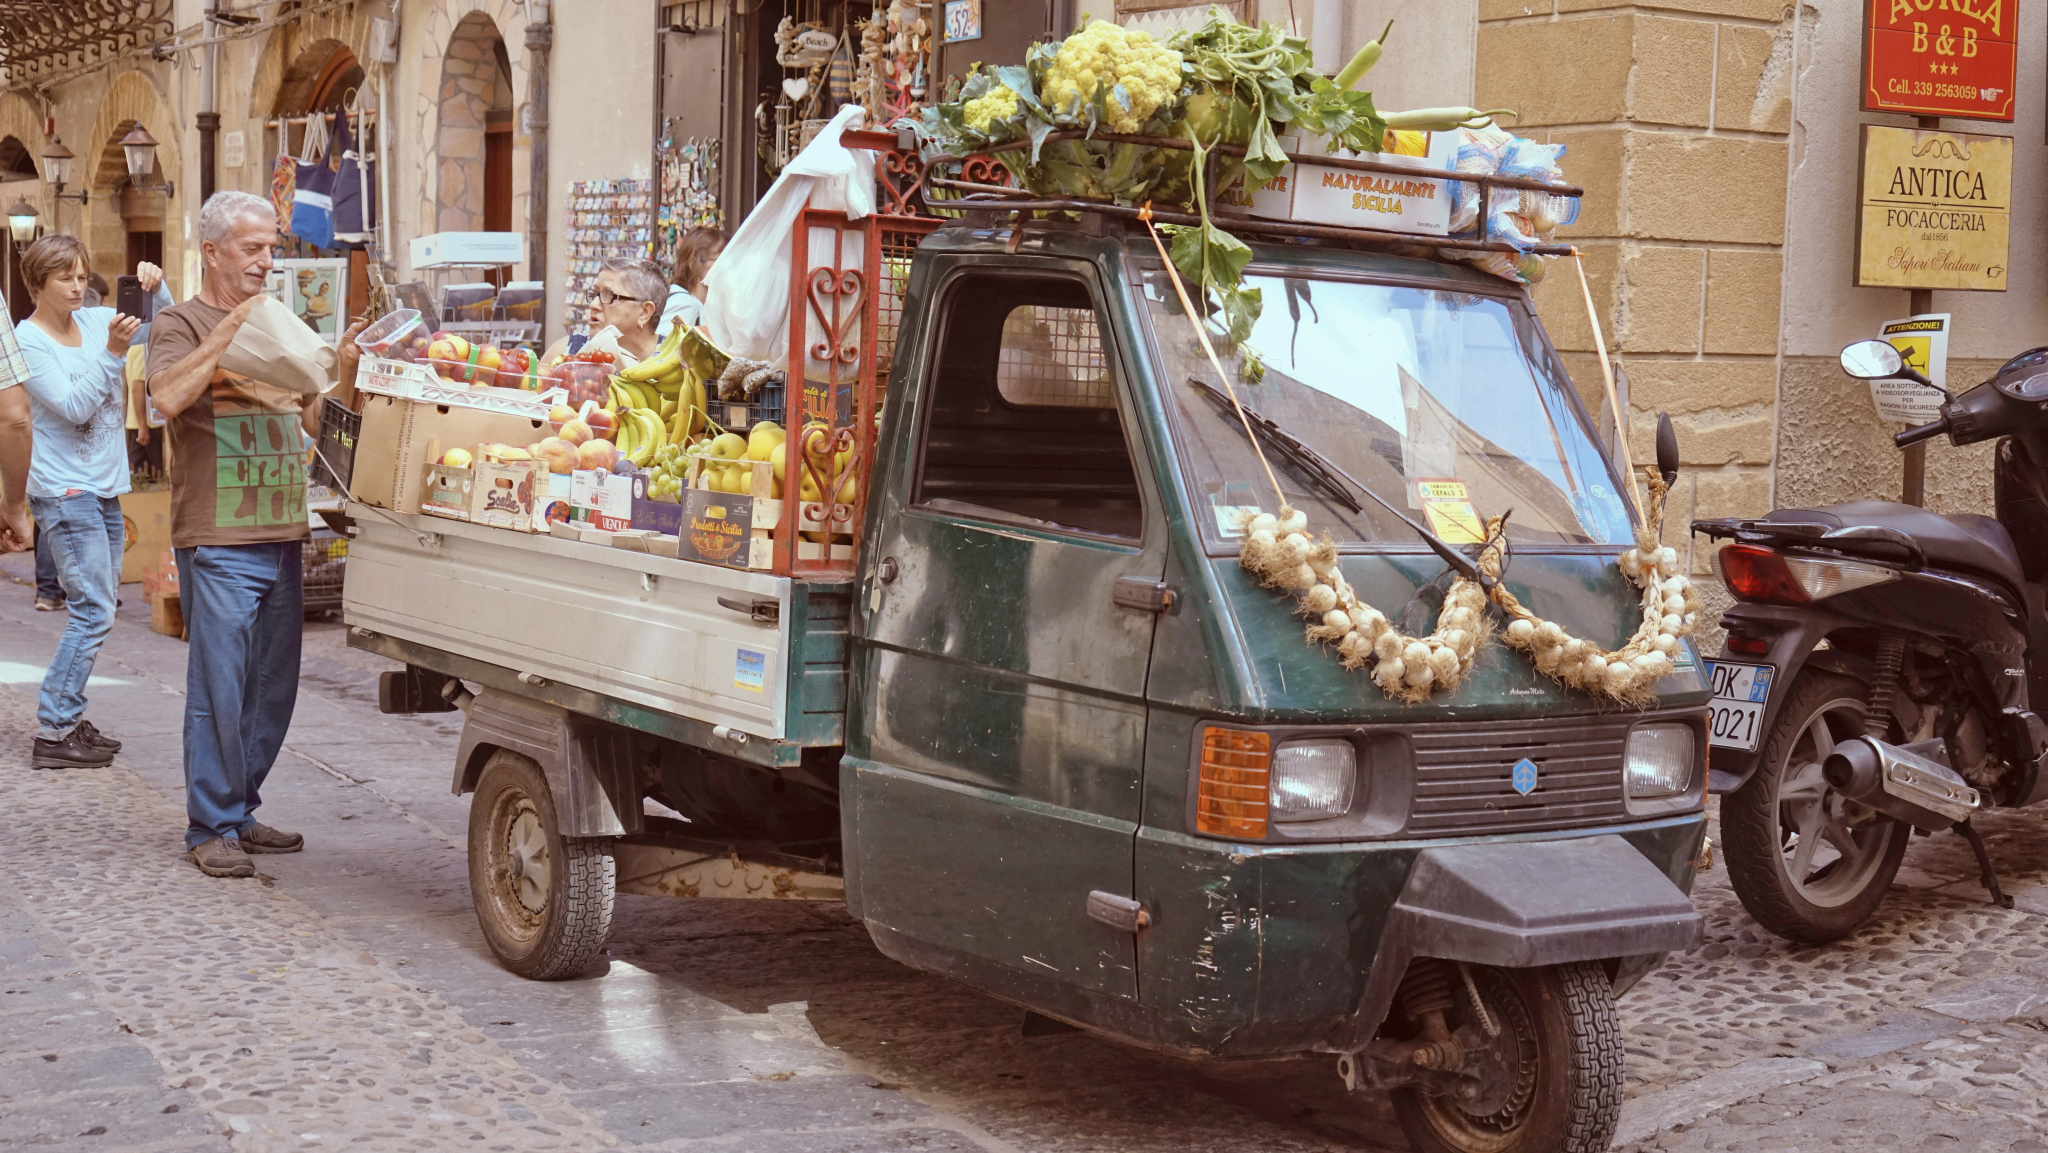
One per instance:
[(666, 386), (640, 433)]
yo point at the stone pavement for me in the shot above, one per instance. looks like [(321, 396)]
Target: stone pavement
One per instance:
[(345, 998)]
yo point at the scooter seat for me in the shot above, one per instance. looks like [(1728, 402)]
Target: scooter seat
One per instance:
[(1963, 541)]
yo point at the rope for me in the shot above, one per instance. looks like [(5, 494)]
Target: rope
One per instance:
[(1202, 334)]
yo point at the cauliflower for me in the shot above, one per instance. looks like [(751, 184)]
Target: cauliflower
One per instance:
[(998, 103), (1105, 55)]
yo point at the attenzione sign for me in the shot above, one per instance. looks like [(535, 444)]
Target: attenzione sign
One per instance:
[(1935, 209), (1941, 57)]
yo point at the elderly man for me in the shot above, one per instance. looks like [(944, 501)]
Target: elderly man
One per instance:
[(238, 518), (17, 438)]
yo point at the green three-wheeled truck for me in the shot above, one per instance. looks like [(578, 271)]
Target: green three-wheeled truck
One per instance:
[(1009, 723)]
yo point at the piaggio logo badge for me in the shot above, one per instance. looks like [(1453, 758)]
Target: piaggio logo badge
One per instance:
[(1524, 778)]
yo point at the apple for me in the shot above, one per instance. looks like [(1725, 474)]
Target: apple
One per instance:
[(596, 454), (562, 456), (457, 458), (729, 446), (576, 431), (765, 438)]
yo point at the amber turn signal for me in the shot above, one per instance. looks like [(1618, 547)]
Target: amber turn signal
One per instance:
[(1230, 801)]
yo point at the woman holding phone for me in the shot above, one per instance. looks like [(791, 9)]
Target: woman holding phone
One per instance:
[(77, 397)]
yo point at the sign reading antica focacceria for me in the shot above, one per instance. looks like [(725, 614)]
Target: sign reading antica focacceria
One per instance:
[(1935, 209), (1941, 57)]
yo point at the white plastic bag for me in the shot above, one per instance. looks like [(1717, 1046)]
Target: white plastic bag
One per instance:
[(747, 310)]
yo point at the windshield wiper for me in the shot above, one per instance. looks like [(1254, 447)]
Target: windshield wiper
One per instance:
[(1325, 473)]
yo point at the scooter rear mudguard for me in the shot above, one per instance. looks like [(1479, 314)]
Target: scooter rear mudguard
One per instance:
[(1522, 905), (1791, 632)]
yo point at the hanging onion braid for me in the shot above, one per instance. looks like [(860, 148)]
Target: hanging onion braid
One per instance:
[(1279, 551)]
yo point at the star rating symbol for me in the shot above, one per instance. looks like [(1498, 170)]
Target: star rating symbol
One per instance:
[(1939, 69)]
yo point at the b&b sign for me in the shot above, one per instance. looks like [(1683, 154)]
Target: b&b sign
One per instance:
[(1940, 57)]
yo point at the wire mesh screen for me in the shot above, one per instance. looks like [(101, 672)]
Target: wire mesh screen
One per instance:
[(1054, 356), (899, 240)]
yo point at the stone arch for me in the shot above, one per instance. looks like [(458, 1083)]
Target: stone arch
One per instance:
[(415, 133), (20, 121), (312, 37), (130, 100), (476, 83)]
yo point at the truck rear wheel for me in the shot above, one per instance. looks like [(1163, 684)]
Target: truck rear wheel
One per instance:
[(544, 901), (1557, 1063)]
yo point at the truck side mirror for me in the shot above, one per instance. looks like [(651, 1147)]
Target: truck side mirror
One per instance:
[(1667, 447), (1872, 360)]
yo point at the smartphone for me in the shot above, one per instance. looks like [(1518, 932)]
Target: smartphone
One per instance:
[(130, 300)]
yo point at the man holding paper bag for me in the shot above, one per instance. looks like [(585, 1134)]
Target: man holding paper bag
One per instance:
[(237, 385)]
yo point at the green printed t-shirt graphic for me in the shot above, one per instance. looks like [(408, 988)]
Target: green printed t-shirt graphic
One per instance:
[(237, 462), (259, 471)]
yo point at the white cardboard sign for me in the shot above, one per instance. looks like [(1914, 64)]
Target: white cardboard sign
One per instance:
[(1923, 343), (1322, 194)]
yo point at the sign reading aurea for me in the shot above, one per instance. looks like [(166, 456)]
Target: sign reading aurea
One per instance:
[(1941, 57)]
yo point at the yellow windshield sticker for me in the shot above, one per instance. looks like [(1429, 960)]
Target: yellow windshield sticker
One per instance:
[(1449, 509)]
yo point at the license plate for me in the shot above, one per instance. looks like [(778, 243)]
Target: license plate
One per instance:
[(1737, 710)]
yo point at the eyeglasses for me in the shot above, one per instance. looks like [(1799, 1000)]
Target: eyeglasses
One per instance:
[(605, 297)]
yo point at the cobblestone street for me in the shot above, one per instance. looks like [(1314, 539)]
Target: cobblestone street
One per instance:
[(345, 998)]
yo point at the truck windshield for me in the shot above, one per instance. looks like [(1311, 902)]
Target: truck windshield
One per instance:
[(1446, 403)]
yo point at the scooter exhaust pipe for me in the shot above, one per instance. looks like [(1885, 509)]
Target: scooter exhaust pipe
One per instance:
[(1900, 783)]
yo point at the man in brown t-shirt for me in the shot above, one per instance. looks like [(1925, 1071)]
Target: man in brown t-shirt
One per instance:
[(238, 519)]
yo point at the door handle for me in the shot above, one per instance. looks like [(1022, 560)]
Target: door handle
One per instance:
[(765, 611), (1118, 912), (1149, 596), (886, 570)]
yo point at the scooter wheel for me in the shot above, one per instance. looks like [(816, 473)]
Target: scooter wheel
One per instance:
[(1807, 864), (1557, 1045), (543, 900)]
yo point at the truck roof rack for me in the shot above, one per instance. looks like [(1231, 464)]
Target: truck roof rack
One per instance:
[(984, 181)]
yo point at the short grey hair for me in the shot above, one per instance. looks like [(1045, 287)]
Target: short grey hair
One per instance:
[(640, 278), (223, 210)]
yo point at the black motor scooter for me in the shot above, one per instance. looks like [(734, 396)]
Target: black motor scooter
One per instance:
[(1882, 668)]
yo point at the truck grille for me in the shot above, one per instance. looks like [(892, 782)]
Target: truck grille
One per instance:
[(1462, 773)]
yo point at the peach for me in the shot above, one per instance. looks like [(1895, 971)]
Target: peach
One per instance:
[(560, 454), (602, 422), (457, 458), (561, 414), (576, 431), (597, 454)]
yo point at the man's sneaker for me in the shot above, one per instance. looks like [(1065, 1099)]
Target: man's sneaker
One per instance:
[(73, 752), (222, 857), (46, 605), (261, 838), (98, 739)]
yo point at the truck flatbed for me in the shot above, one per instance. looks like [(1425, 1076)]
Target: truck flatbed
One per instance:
[(749, 663)]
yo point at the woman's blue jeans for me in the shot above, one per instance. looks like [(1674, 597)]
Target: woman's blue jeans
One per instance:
[(86, 536)]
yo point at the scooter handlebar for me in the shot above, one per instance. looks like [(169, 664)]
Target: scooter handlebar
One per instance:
[(1913, 436)]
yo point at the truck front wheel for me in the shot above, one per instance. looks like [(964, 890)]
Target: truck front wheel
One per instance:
[(1553, 1060), (544, 901)]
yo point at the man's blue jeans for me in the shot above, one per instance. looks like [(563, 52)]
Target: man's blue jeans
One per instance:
[(47, 588), (85, 534), (242, 611)]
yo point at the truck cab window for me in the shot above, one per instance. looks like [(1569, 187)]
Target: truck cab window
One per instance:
[(1021, 418)]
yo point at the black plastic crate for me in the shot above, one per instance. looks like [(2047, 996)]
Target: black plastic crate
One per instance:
[(325, 563), (334, 458), (739, 416)]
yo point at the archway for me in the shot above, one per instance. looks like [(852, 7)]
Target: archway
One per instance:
[(18, 181), (473, 134), (123, 223)]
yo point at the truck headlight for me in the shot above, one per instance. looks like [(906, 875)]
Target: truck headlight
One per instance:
[(1312, 780), (1659, 760)]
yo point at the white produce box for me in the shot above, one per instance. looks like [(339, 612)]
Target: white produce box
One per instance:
[(1323, 194)]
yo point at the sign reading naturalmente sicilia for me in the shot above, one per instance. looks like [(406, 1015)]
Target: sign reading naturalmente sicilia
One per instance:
[(1936, 209)]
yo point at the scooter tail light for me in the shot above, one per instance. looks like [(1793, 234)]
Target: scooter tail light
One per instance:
[(1823, 578), (1230, 799), (1755, 573)]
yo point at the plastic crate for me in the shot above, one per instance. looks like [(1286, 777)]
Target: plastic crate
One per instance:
[(739, 416), (325, 561), (334, 451)]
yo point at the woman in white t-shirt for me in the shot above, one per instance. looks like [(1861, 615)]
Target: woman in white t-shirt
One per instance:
[(77, 397)]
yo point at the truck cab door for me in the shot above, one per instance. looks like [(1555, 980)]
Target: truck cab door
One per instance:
[(997, 740)]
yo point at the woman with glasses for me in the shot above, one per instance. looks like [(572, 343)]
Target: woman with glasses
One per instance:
[(628, 296)]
